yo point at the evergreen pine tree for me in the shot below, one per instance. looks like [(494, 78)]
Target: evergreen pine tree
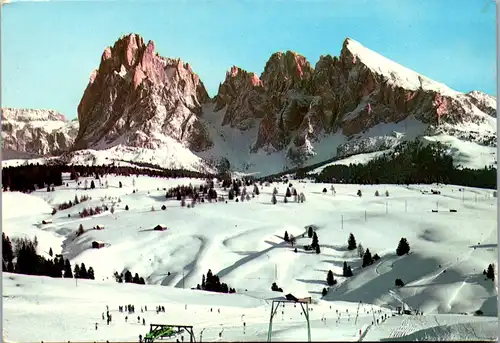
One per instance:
[(367, 258), (76, 271), (285, 237), (344, 269), (67, 269), (256, 190), (92, 184), (490, 272), (83, 271), (128, 276), (90, 274), (324, 292), (351, 242), (330, 280), (314, 243), (136, 278), (288, 193), (403, 247), (7, 251), (318, 250), (50, 252), (349, 271), (273, 200)]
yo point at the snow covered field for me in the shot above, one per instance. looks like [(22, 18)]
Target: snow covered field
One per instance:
[(242, 244)]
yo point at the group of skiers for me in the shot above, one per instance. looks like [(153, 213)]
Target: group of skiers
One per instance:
[(129, 308)]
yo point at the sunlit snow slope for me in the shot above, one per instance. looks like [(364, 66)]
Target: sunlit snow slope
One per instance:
[(242, 243)]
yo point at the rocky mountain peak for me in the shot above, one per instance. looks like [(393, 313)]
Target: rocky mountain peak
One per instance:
[(136, 97), (241, 94), (352, 93), (485, 102), (36, 131), (284, 71)]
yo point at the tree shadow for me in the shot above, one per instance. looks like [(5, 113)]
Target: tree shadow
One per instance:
[(484, 246), (312, 281)]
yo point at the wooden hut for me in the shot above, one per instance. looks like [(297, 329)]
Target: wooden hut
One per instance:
[(97, 244), (160, 227), (47, 221)]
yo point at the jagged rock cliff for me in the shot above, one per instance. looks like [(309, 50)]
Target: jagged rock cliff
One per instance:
[(39, 132), (350, 93), (137, 98)]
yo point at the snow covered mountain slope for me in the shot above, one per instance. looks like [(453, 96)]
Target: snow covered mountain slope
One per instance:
[(242, 243), (293, 114), (41, 132), (359, 102)]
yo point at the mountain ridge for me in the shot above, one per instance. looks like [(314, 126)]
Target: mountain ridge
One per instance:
[(293, 111)]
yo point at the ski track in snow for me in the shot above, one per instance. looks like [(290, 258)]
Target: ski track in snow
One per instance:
[(242, 244)]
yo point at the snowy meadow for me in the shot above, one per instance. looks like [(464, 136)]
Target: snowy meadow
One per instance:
[(451, 232)]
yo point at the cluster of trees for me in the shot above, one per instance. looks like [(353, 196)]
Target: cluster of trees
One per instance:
[(95, 170), (28, 262), (212, 284), (346, 270), (290, 191), (68, 204), (127, 278), (197, 194), (410, 163), (87, 212), (28, 178), (490, 272), (275, 288)]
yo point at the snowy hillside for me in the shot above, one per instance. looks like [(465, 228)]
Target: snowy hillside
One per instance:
[(242, 243), (395, 72), (171, 156)]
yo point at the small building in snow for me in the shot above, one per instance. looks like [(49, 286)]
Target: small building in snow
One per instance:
[(47, 221), (97, 244), (291, 297), (160, 227), (99, 227)]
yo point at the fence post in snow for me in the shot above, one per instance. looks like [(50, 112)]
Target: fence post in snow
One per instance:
[(365, 215), (342, 222), (386, 207)]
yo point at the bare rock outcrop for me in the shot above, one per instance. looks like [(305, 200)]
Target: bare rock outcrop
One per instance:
[(137, 98), (38, 132)]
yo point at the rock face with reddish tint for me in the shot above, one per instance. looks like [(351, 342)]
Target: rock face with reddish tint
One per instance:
[(297, 105), (137, 98)]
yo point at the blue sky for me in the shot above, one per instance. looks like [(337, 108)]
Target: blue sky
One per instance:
[(49, 48)]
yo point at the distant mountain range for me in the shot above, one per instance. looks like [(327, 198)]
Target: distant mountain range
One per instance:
[(143, 107)]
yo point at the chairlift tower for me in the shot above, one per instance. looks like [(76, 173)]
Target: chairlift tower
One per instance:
[(274, 308)]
